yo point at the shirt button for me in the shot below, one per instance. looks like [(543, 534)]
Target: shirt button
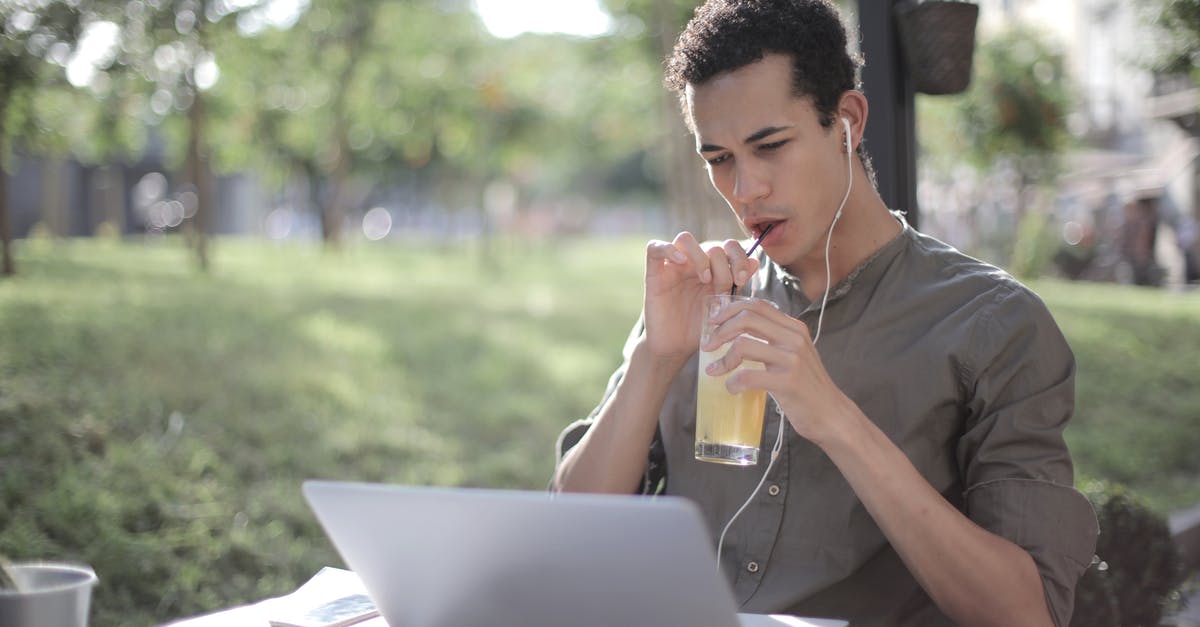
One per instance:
[(752, 567), (773, 490)]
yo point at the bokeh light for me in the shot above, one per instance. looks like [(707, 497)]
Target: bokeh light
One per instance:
[(377, 223)]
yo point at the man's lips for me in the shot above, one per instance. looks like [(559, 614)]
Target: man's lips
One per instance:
[(757, 227)]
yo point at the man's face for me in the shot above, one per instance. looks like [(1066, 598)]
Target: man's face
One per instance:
[(769, 156)]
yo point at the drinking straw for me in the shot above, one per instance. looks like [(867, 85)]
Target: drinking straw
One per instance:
[(753, 247)]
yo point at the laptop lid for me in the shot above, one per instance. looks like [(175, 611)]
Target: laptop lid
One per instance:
[(439, 557)]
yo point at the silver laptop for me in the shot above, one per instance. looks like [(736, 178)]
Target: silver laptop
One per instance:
[(442, 557)]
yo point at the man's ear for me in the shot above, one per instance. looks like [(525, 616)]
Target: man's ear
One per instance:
[(853, 107)]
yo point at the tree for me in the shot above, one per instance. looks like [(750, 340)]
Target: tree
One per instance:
[(356, 92), (35, 34), (102, 115), (344, 95), (693, 203), (1015, 111), (162, 61), (168, 45), (353, 92), (1178, 22)]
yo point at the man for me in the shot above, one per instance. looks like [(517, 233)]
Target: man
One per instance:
[(923, 478)]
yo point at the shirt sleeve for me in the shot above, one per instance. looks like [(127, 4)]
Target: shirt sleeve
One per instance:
[(1014, 461), (655, 475)]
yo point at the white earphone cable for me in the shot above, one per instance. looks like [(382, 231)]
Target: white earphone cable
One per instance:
[(778, 446)]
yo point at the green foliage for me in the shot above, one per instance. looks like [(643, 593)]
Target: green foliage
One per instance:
[(1137, 576), (422, 86), (943, 142), (1177, 45), (653, 22), (1035, 246), (34, 36), (1017, 104), (352, 94), (1011, 126)]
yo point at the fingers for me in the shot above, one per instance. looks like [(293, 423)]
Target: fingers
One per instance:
[(658, 250), (756, 365), (745, 349), (730, 266), (683, 251), (686, 243), (757, 318), (761, 306), (741, 266), (718, 263), (746, 380), (724, 266)]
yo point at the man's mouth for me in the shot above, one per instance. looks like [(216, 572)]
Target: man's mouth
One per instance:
[(758, 227)]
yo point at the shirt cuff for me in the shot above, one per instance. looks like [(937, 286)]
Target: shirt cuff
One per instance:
[(1055, 524)]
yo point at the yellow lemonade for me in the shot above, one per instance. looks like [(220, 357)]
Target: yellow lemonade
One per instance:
[(728, 426)]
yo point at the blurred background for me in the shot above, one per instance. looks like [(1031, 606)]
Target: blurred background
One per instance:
[(449, 119), (248, 242)]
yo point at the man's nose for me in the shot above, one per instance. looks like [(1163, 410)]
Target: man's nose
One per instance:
[(749, 185)]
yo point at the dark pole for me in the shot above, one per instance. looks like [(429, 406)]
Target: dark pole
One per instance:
[(7, 267), (890, 134)]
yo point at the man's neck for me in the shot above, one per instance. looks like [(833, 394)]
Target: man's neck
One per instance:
[(865, 227)]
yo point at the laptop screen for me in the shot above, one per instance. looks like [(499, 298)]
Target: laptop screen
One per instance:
[(433, 557)]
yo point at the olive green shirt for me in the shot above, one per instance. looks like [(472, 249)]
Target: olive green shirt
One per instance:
[(965, 370)]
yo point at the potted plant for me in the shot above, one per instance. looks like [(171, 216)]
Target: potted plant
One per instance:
[(937, 39), (1135, 577)]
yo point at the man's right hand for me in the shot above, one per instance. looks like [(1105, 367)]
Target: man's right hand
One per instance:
[(612, 454), (678, 275)]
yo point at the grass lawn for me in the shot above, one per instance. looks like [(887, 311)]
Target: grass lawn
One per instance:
[(1137, 412), (156, 423)]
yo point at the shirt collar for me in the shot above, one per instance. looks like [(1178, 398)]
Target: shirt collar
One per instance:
[(867, 270)]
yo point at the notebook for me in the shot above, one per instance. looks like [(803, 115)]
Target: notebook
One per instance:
[(442, 557)]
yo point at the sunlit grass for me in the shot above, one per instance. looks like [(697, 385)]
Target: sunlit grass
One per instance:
[(1137, 417), (158, 422)]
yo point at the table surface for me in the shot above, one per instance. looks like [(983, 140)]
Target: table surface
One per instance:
[(333, 584), (257, 615)]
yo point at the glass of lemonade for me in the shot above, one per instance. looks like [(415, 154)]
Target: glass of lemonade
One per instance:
[(728, 426)]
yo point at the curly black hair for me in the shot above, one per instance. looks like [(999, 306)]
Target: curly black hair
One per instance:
[(725, 35)]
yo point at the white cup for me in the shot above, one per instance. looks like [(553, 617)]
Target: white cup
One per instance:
[(49, 593)]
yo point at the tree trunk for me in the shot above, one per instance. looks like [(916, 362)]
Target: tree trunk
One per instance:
[(197, 166), (7, 267), (54, 211), (334, 212), (356, 37), (312, 181), (693, 203), (114, 198), (1024, 190)]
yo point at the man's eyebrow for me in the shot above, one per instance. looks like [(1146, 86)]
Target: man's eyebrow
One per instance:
[(755, 136), (764, 132)]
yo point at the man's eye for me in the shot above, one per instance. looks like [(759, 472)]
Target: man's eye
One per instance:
[(773, 145), (718, 160)]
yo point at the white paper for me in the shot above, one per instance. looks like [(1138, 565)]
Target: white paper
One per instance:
[(333, 597)]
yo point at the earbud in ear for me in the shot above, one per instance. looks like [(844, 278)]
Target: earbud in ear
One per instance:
[(846, 125)]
